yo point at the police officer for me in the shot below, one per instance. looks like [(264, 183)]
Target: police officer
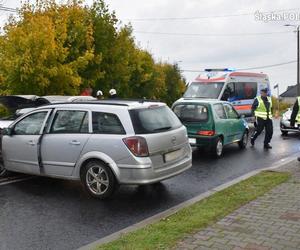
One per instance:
[(262, 108), (113, 94), (99, 95), (295, 116)]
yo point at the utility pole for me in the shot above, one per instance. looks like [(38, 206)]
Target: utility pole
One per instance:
[(298, 50), (298, 64)]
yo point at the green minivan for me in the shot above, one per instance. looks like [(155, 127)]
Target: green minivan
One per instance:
[(212, 124)]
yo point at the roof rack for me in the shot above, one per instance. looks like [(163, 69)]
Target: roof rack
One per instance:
[(112, 102), (89, 102), (140, 100)]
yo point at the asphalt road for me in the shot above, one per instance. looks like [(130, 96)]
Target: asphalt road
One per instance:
[(43, 213)]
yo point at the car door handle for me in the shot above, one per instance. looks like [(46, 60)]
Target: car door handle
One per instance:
[(31, 143), (74, 142)]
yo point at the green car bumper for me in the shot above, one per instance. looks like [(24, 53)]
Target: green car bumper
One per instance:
[(203, 141)]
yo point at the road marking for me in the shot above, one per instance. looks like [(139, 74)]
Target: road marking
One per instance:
[(10, 181), (175, 209)]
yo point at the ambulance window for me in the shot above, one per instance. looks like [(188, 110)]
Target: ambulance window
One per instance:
[(240, 91), (228, 92), (246, 90)]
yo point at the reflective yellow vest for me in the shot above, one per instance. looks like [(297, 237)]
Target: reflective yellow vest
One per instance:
[(261, 110), (298, 115)]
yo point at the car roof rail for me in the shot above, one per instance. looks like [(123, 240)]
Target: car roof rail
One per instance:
[(88, 102), (140, 100)]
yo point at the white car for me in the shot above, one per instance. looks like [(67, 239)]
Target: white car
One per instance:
[(19, 105), (285, 123)]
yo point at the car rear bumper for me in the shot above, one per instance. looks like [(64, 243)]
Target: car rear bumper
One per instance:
[(285, 126), (204, 141), (140, 176)]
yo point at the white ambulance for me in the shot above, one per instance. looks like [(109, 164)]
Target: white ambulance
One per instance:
[(239, 88)]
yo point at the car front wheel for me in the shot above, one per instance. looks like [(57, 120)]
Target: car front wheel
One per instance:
[(98, 180), (284, 133), (244, 141)]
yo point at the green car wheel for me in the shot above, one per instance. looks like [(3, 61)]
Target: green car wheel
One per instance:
[(244, 141), (217, 149)]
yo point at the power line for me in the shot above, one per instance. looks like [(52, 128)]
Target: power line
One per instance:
[(202, 17), (8, 9), (260, 67), (212, 35)]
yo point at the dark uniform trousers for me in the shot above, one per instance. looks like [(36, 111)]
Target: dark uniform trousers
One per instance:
[(261, 125)]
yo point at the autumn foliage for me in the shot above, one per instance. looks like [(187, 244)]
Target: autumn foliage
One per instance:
[(52, 48)]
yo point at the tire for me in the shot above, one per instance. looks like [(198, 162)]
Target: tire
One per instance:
[(217, 149), (98, 180), (284, 133), (3, 171), (244, 141)]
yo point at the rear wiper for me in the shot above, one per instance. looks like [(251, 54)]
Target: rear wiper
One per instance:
[(163, 128)]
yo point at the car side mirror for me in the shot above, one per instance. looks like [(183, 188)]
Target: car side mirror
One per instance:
[(7, 131)]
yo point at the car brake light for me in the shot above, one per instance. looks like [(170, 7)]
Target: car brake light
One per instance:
[(137, 145), (206, 132)]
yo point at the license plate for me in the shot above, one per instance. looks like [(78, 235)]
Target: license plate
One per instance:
[(173, 155), (192, 140)]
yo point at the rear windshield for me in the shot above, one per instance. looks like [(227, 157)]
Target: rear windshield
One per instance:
[(154, 120), (191, 112)]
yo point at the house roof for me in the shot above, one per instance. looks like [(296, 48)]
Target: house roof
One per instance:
[(290, 92)]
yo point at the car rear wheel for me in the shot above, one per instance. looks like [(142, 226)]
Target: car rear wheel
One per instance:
[(217, 149), (284, 133), (98, 180), (244, 141)]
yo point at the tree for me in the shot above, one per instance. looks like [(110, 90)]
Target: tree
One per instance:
[(45, 51), (62, 48)]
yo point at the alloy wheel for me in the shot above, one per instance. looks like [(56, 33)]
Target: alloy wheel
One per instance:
[(97, 180)]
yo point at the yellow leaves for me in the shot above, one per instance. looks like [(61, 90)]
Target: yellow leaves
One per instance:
[(59, 48)]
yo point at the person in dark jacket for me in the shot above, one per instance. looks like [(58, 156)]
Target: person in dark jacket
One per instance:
[(262, 109), (295, 113), (295, 116)]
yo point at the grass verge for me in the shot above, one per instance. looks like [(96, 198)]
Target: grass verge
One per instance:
[(165, 233)]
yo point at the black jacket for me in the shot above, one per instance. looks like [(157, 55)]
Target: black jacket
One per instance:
[(294, 113)]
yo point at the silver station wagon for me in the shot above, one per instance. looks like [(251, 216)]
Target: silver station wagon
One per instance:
[(101, 143)]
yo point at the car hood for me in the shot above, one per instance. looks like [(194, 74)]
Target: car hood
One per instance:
[(13, 103)]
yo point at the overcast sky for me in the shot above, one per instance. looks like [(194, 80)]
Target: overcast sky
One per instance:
[(216, 41)]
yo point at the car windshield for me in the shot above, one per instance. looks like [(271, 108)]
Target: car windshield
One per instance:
[(154, 120), (191, 112), (204, 90)]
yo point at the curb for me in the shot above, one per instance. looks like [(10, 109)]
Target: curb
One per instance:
[(173, 210)]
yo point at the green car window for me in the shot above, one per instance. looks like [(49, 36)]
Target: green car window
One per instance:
[(219, 109), (231, 113)]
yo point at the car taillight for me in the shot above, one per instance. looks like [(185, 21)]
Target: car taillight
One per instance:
[(137, 145), (206, 132)]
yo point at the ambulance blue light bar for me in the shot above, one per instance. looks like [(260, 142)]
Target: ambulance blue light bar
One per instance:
[(223, 70)]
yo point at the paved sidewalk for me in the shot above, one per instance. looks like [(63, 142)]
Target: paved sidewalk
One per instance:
[(270, 222)]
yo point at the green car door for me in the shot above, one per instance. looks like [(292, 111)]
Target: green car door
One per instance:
[(222, 126), (237, 128)]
